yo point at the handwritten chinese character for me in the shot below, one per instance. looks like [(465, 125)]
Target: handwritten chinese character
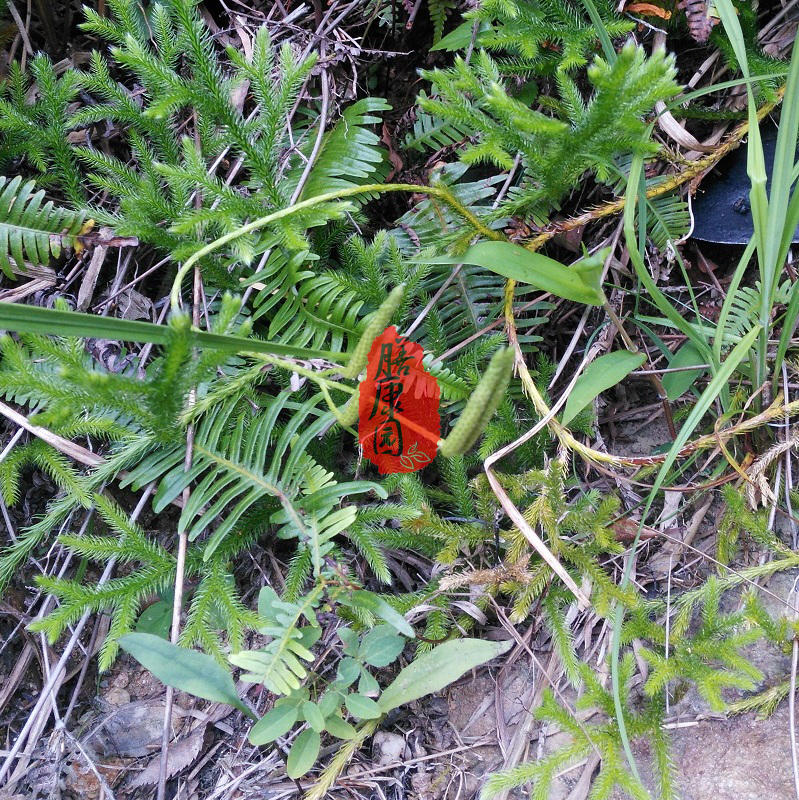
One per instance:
[(392, 366)]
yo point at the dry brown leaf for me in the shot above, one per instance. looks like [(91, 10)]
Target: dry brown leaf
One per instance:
[(675, 131), (649, 9), (182, 754), (697, 14), (89, 282), (393, 156)]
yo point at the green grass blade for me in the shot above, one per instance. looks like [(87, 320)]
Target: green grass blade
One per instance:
[(714, 88), (756, 169), (601, 31), (782, 173), (49, 321), (719, 380), (655, 295)]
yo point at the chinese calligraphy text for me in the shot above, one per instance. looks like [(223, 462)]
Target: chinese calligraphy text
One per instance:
[(399, 424)]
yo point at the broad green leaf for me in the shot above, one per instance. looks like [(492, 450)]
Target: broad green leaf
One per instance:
[(339, 728), (380, 608), (579, 282), (348, 671), (187, 670), (438, 668), (600, 375), (381, 646), (676, 383), (303, 753), (274, 724), (313, 716), (362, 707), (156, 619)]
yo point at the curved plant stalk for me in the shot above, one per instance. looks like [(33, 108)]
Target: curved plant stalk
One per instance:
[(775, 411), (444, 194)]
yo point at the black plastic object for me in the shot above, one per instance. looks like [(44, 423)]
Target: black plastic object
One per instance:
[(721, 205)]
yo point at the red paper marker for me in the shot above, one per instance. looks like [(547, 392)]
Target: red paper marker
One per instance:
[(398, 421)]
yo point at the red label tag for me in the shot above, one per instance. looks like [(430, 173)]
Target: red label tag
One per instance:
[(398, 421)]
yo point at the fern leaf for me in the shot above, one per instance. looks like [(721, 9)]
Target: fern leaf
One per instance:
[(350, 154), (30, 231), (432, 133), (439, 10), (669, 219)]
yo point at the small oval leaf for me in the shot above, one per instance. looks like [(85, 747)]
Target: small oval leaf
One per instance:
[(273, 724), (362, 707), (303, 753), (348, 671), (313, 716), (329, 703), (339, 728)]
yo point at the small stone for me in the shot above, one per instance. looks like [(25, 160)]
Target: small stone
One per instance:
[(80, 780), (121, 680), (117, 697), (388, 748), (132, 730)]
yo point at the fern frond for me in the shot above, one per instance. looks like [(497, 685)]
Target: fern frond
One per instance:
[(439, 10), (278, 666), (350, 153), (744, 308), (431, 133), (669, 219), (30, 231)]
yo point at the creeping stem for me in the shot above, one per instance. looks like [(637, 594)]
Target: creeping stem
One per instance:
[(444, 194)]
